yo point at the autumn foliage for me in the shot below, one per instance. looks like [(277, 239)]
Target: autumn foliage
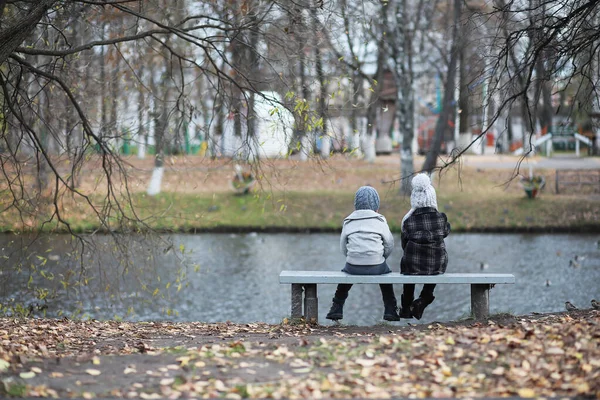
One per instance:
[(529, 356)]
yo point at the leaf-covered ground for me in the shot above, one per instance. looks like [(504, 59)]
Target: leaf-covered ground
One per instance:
[(529, 356)]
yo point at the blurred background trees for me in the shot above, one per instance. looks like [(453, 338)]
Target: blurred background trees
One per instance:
[(85, 82)]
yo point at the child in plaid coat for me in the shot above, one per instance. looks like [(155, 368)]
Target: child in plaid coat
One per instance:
[(423, 231)]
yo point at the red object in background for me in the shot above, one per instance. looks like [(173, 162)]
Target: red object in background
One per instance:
[(516, 144), (489, 139), (426, 132), (425, 139)]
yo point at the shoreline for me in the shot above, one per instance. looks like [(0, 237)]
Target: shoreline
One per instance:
[(581, 229)]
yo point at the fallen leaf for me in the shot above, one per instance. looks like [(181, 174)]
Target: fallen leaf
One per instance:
[(365, 363), (93, 372), (166, 381), (3, 365), (302, 370), (526, 393), (555, 351), (183, 360), (583, 388), (151, 396), (27, 375)]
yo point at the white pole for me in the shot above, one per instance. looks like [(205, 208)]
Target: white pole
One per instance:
[(141, 150), (155, 181), (576, 147)]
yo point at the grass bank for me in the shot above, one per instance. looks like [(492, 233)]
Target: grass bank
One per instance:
[(301, 197), (325, 211)]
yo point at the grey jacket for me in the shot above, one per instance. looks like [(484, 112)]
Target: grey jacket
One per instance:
[(366, 238)]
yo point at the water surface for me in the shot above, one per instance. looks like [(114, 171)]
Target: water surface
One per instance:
[(234, 277)]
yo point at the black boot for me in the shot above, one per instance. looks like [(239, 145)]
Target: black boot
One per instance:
[(337, 310), (390, 312), (405, 311), (419, 305)]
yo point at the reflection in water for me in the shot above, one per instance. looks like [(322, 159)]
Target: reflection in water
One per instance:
[(236, 277)]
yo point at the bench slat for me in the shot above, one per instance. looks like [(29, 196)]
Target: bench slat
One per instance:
[(333, 277)]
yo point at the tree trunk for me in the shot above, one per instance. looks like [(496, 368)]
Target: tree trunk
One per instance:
[(463, 98), (297, 23), (321, 130), (161, 122), (237, 49), (19, 31), (301, 111), (42, 113), (44, 168), (441, 126), (141, 134), (382, 55), (251, 68), (509, 128), (219, 125), (115, 90), (543, 91), (103, 96), (354, 136), (404, 78), (544, 78), (583, 104), (72, 138)]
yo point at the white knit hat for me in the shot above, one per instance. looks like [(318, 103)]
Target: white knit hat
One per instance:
[(422, 195)]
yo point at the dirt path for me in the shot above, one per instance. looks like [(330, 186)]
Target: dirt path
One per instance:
[(533, 355)]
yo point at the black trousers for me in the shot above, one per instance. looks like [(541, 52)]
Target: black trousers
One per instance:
[(387, 289), (409, 292), (387, 292)]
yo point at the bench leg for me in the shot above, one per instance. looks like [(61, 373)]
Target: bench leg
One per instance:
[(480, 301), (296, 300), (311, 303)]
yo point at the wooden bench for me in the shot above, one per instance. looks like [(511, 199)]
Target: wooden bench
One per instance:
[(304, 287)]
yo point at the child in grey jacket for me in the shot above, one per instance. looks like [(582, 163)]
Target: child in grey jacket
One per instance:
[(366, 242)]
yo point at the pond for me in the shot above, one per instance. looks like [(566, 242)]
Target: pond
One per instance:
[(234, 277)]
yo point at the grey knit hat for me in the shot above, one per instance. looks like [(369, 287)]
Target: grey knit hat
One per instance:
[(366, 198)]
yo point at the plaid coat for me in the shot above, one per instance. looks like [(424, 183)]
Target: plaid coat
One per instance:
[(423, 236)]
